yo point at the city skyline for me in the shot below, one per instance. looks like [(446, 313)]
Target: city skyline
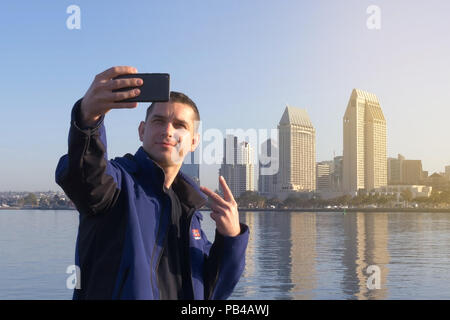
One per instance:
[(240, 62), (191, 165), (364, 165)]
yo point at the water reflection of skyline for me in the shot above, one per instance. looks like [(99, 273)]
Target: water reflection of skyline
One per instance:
[(283, 254), (366, 244), (290, 255), (303, 255)]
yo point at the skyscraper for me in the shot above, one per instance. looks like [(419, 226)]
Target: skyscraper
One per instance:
[(246, 168), (336, 176), (238, 166), (365, 160), (191, 166), (394, 166), (324, 171), (403, 171), (447, 172), (268, 168), (412, 171), (297, 141)]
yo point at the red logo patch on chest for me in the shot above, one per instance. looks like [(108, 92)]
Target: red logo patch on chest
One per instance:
[(196, 234)]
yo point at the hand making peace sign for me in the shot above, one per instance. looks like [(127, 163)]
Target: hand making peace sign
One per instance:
[(224, 210)]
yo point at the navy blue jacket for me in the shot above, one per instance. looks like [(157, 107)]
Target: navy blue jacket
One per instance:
[(124, 213)]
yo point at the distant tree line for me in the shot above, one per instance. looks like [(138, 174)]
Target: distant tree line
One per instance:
[(251, 199), (31, 200)]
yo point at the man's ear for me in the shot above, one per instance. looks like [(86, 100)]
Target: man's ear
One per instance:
[(141, 130), (195, 141)]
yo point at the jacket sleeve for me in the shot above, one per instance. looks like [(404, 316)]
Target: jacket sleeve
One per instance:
[(84, 173), (225, 264)]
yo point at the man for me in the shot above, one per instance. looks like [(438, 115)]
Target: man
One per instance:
[(139, 234)]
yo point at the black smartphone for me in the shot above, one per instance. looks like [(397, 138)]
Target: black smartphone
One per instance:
[(156, 87)]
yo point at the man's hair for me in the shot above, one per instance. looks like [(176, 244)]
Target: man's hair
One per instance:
[(180, 98)]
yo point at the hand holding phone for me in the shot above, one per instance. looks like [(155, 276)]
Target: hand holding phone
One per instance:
[(99, 98), (156, 87)]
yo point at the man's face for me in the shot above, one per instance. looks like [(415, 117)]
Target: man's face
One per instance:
[(168, 133)]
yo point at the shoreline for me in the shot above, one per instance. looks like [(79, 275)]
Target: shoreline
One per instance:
[(423, 210)]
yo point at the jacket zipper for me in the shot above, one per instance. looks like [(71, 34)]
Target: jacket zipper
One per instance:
[(153, 252), (189, 251), (215, 280), (190, 265), (122, 284), (158, 261)]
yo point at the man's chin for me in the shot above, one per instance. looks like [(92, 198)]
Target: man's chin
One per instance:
[(168, 159)]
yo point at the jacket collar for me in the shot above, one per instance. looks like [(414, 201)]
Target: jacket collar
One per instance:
[(152, 175)]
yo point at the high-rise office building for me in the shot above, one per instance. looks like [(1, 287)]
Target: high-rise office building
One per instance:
[(365, 160), (403, 171), (238, 166), (246, 166), (227, 169), (324, 170), (412, 172), (447, 172), (394, 166), (268, 168), (191, 166), (297, 141), (336, 175)]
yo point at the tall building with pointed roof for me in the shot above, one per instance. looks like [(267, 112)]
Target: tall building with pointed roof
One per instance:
[(365, 155), (297, 147)]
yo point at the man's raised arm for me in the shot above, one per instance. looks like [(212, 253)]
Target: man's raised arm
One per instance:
[(84, 173)]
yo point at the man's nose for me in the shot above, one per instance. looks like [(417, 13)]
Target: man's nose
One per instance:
[(168, 129)]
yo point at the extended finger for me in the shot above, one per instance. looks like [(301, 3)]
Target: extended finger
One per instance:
[(116, 71), (228, 196)]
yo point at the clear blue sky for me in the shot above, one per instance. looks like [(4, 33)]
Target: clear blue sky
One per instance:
[(241, 61)]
